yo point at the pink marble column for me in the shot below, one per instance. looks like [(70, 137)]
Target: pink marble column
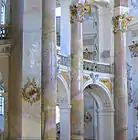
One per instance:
[(77, 103), (120, 81), (49, 70)]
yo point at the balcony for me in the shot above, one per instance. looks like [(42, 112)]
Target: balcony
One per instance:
[(5, 42), (88, 65)]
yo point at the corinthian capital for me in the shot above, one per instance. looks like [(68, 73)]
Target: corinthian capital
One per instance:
[(78, 11)]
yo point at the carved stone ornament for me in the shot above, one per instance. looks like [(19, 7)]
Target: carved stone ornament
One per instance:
[(78, 11), (31, 92), (94, 77), (87, 118), (134, 50), (120, 22), (107, 83)]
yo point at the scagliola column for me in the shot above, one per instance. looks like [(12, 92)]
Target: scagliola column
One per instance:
[(120, 21), (77, 102), (49, 69)]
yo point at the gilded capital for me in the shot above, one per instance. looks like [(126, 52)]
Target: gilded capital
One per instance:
[(78, 11), (120, 22)]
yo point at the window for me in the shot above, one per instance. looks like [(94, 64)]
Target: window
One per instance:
[(2, 14), (58, 11)]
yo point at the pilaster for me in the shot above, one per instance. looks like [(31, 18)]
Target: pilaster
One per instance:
[(25, 71), (65, 122)]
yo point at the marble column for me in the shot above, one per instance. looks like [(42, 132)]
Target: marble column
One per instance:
[(120, 71), (49, 70), (24, 120), (77, 103)]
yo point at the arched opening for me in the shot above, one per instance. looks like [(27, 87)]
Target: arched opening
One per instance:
[(98, 114), (90, 117)]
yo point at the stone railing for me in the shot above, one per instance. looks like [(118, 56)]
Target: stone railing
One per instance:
[(97, 66), (87, 65), (63, 60)]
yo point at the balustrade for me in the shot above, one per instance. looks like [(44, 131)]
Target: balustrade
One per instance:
[(88, 65)]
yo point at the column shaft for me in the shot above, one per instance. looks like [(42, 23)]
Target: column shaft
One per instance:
[(77, 110), (120, 83), (49, 69)]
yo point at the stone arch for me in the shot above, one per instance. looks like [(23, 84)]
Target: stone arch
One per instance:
[(105, 110), (62, 90), (106, 91)]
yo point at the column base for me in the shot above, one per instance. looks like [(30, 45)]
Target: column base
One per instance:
[(76, 137)]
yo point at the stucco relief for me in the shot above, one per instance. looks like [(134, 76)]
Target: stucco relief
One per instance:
[(107, 83), (85, 78), (65, 75), (134, 50)]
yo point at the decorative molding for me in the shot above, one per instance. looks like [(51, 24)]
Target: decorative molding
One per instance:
[(133, 25), (65, 75), (134, 50), (31, 91), (85, 78), (107, 83), (94, 77), (78, 12), (120, 22), (87, 118)]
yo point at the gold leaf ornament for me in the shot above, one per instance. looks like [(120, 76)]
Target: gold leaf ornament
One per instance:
[(31, 91)]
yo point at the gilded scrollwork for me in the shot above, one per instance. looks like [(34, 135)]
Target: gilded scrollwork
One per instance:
[(107, 83), (78, 11), (31, 91), (85, 78), (120, 22)]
